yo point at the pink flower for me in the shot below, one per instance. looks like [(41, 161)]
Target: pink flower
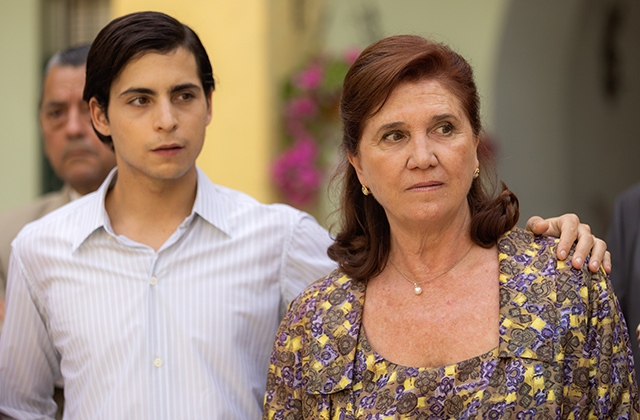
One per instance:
[(302, 107), (296, 128), (296, 174), (310, 78)]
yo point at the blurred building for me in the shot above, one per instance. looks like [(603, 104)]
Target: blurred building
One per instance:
[(557, 80)]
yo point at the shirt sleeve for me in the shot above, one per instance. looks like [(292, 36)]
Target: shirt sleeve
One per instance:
[(614, 392), (29, 364), (305, 259)]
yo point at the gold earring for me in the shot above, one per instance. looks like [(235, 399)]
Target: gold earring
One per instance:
[(365, 190), (476, 173)]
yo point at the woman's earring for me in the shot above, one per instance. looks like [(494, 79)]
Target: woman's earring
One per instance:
[(365, 190), (475, 174)]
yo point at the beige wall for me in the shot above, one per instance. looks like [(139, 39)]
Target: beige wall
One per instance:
[(19, 84), (473, 28)]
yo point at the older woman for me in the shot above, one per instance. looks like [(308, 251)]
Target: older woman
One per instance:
[(441, 308)]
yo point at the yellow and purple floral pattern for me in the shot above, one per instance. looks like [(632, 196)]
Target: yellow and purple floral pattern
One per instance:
[(563, 354)]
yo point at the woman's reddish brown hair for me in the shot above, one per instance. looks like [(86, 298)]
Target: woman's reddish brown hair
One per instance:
[(362, 245)]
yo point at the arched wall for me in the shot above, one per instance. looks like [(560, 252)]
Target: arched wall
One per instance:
[(603, 124), (531, 88), (564, 147)]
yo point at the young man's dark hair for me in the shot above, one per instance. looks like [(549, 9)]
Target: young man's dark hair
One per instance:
[(131, 36)]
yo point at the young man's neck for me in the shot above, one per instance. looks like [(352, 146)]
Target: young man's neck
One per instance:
[(148, 211)]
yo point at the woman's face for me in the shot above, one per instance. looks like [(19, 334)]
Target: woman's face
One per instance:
[(418, 155)]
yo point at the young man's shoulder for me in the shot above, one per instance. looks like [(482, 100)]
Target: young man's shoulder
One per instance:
[(244, 205)]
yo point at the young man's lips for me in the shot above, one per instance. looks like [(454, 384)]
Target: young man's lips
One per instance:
[(169, 150)]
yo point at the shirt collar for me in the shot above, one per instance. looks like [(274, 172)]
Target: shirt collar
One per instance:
[(93, 214), (210, 204), (521, 332)]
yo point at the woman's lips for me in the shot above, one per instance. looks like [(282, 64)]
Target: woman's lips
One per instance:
[(425, 186)]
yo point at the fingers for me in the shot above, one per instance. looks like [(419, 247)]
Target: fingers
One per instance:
[(606, 262), (586, 241), (597, 255), (537, 225), (569, 228)]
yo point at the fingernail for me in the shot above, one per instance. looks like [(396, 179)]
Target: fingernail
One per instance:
[(563, 254), (579, 261)]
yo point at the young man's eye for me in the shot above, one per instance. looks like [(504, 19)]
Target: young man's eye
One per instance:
[(186, 96), (139, 101)]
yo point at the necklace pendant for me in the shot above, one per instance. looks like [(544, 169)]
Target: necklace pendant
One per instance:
[(417, 289)]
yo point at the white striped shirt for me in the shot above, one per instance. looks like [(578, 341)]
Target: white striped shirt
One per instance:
[(182, 333)]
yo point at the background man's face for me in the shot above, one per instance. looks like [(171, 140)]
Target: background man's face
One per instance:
[(75, 152)]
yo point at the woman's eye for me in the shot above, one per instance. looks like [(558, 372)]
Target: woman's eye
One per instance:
[(393, 136), (445, 129)]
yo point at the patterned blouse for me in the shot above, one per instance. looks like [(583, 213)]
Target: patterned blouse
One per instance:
[(563, 353)]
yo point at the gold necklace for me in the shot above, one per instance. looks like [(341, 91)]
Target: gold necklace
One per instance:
[(417, 289)]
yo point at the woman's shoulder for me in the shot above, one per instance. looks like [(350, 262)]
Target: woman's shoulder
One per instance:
[(331, 290), (520, 241), (528, 260)]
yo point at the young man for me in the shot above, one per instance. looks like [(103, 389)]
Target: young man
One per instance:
[(159, 295)]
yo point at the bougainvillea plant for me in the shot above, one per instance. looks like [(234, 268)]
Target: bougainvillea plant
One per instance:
[(311, 125)]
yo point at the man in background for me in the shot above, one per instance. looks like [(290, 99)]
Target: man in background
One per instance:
[(623, 239), (74, 151)]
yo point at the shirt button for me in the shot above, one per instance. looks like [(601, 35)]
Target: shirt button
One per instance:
[(154, 280), (157, 362)]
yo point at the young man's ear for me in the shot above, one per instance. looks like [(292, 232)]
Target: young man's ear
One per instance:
[(99, 117), (209, 98)]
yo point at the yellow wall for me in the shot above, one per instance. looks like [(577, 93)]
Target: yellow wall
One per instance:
[(238, 148)]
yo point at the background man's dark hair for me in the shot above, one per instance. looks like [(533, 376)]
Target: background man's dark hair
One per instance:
[(73, 57), (131, 36)]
